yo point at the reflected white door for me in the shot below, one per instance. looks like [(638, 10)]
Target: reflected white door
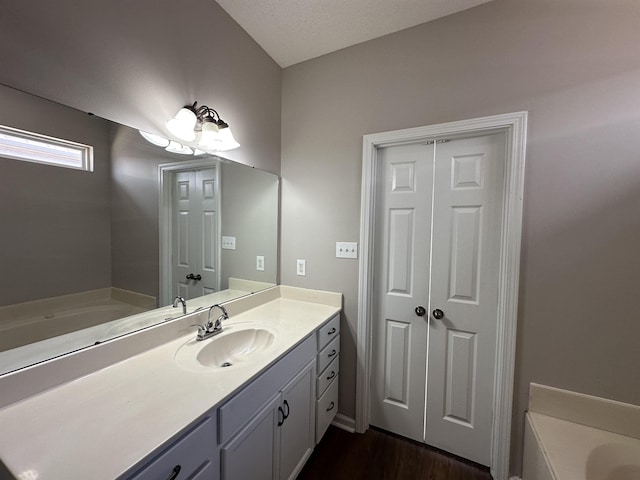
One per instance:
[(195, 233), (462, 245)]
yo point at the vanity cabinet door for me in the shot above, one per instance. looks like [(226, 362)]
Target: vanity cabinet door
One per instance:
[(297, 432), (194, 455), (252, 453)]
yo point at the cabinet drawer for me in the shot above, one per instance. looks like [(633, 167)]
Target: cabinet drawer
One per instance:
[(241, 408), (329, 331), (192, 453), (327, 376), (328, 353), (327, 407)]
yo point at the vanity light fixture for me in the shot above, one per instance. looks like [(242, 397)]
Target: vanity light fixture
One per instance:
[(205, 124)]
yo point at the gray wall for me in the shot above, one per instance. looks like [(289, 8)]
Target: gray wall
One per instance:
[(134, 210), (575, 66), (55, 221), (249, 199), (138, 63)]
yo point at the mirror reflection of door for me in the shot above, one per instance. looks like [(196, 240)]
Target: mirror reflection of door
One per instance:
[(195, 220)]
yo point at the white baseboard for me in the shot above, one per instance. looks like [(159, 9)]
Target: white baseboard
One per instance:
[(515, 478), (345, 423)]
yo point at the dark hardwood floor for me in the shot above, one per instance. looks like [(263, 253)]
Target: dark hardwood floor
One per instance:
[(381, 455)]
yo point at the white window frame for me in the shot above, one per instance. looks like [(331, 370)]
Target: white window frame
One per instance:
[(38, 148)]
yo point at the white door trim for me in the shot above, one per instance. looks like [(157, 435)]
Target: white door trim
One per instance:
[(166, 171), (515, 125)]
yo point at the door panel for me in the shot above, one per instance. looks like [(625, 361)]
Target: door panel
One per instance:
[(468, 193), (399, 335), (208, 189), (463, 278), (400, 262), (460, 368), (397, 351), (183, 261)]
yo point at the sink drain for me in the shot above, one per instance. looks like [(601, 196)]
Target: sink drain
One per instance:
[(226, 364)]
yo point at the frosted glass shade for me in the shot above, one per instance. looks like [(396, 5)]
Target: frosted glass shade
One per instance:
[(227, 140), (175, 147), (155, 139), (183, 124), (210, 138)]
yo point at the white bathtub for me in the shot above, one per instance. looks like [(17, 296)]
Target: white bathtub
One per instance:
[(41, 329), (599, 441), (614, 461), (60, 322)]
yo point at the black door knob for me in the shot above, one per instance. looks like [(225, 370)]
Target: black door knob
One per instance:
[(438, 314), (420, 311)]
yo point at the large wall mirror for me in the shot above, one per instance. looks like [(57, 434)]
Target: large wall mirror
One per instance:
[(89, 256)]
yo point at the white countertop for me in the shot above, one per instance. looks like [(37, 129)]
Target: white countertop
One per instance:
[(100, 425)]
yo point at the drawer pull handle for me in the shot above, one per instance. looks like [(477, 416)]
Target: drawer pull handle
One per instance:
[(330, 407), (286, 415), (333, 352), (331, 375), (280, 411), (175, 472), (332, 331)]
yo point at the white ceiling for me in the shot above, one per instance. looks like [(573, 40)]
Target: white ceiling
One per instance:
[(292, 31)]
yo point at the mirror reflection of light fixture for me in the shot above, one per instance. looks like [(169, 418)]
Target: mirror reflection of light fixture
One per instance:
[(155, 139), (170, 145), (175, 147), (214, 133)]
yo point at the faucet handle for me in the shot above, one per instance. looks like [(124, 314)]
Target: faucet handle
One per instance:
[(202, 330)]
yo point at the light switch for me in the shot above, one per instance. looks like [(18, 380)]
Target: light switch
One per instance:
[(346, 250), (228, 243)]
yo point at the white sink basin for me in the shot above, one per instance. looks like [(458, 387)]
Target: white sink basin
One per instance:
[(236, 345)]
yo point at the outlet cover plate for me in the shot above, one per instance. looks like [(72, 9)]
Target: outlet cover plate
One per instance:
[(301, 267)]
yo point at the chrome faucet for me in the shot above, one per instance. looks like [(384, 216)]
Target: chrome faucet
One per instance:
[(181, 300), (211, 328)]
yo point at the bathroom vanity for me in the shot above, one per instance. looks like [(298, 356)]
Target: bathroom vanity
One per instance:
[(250, 403)]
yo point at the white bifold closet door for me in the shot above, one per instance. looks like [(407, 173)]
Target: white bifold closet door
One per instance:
[(439, 213)]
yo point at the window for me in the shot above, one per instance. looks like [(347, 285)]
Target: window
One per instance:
[(33, 147)]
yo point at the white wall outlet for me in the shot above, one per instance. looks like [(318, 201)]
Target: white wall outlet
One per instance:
[(346, 250), (260, 263), (228, 243), (301, 267)]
